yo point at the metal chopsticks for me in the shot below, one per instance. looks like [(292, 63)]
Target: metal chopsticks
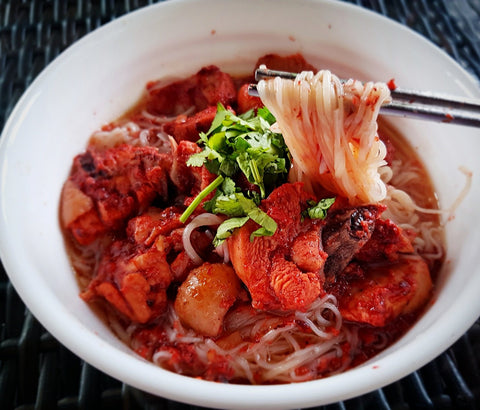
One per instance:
[(409, 103)]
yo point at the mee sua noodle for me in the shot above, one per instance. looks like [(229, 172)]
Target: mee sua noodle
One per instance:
[(331, 131), (254, 240)]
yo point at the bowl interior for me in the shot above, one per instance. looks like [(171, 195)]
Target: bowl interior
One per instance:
[(102, 75)]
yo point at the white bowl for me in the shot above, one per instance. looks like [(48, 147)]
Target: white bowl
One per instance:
[(103, 74)]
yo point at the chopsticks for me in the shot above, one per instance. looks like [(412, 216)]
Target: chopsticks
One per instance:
[(423, 105)]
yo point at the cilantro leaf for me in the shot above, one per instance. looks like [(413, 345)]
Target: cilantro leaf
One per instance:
[(319, 210), (236, 145), (265, 113), (197, 160), (244, 143), (241, 209), (268, 224), (226, 228)]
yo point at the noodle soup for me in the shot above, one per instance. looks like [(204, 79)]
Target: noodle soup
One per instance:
[(215, 258)]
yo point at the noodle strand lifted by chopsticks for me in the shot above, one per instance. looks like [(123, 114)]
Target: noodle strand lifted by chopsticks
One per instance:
[(330, 128)]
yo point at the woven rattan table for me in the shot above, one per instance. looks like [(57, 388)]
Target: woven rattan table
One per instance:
[(37, 372)]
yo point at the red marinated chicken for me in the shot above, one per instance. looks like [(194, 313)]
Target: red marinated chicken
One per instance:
[(282, 271), (105, 188), (387, 292), (134, 274), (208, 87)]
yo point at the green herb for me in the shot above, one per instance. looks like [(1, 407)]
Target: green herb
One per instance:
[(268, 225), (210, 188), (226, 228), (244, 143), (319, 210), (236, 145)]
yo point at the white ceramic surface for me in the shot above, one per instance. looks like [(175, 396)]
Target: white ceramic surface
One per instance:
[(103, 74)]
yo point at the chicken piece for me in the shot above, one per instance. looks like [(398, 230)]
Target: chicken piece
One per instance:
[(87, 228), (388, 241), (183, 176), (189, 180), (246, 102), (74, 203), (346, 231), (213, 87), (271, 267), (133, 273), (78, 214), (296, 290), (188, 128), (307, 252), (294, 63), (208, 87), (145, 228), (205, 297), (134, 298), (252, 263), (387, 292), (133, 279), (106, 188)]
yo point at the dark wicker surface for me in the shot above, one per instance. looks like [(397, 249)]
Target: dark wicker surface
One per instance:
[(36, 372)]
